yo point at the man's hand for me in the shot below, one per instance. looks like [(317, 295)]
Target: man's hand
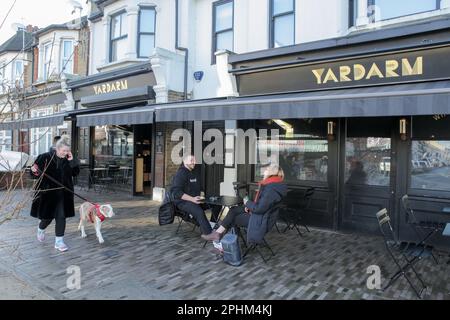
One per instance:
[(197, 200), (246, 210), (34, 168), (69, 156)]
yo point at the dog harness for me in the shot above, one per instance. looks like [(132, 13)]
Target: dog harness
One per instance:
[(98, 213)]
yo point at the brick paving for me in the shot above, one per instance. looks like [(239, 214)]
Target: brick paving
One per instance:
[(141, 260)]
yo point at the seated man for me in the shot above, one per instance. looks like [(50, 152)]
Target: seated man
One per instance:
[(186, 189), (271, 190)]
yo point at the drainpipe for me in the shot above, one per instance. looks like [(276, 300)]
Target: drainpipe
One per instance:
[(185, 50)]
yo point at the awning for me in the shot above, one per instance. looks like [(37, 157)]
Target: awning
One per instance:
[(38, 122), (427, 98), (138, 115)]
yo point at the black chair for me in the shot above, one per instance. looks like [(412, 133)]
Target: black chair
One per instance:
[(405, 256), (424, 230), (293, 207), (240, 189), (181, 215), (271, 222)]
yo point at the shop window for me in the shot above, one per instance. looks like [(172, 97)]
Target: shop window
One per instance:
[(388, 9), (113, 146), (83, 145), (282, 23), (222, 26), (118, 37), (147, 26), (302, 149), (430, 153), (368, 152)]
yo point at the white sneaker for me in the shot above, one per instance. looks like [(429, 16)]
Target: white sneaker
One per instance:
[(41, 235), (61, 246)]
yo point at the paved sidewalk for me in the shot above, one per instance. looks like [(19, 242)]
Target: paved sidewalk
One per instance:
[(142, 260)]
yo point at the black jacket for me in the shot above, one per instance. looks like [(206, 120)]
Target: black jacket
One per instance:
[(185, 182), (49, 193)]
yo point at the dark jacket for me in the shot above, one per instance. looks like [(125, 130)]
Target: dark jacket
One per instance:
[(48, 193), (185, 182), (264, 211)]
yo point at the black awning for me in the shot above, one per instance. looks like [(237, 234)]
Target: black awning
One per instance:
[(140, 115), (426, 98), (38, 122)]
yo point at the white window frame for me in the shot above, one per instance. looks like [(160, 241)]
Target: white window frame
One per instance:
[(123, 33), (37, 134), (46, 60), (67, 59), (18, 78)]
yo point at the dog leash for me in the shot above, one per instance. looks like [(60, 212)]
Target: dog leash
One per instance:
[(96, 205)]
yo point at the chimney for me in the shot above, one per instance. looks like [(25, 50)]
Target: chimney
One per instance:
[(31, 28)]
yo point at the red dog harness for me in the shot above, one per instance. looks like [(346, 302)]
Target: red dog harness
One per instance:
[(96, 207)]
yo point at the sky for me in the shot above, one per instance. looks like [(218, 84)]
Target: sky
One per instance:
[(39, 13)]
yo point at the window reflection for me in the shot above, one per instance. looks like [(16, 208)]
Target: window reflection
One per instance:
[(113, 146), (430, 165), (368, 161)]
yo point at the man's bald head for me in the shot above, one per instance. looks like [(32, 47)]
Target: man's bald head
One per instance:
[(189, 162)]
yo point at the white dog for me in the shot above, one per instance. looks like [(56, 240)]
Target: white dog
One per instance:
[(94, 214)]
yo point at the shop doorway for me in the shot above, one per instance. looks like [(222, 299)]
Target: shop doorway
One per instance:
[(367, 172), (142, 160)]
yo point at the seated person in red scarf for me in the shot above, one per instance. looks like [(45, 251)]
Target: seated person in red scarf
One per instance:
[(271, 191)]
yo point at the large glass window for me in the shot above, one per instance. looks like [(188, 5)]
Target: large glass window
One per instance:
[(222, 26), (147, 25), (430, 153), (368, 152), (67, 56), (5, 140), (282, 23), (113, 146), (118, 37), (389, 9), (301, 149)]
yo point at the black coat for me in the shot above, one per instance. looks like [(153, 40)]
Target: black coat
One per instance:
[(49, 193)]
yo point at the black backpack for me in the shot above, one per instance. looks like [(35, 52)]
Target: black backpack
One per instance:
[(166, 213)]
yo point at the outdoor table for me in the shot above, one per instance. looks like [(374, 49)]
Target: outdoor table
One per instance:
[(224, 202)]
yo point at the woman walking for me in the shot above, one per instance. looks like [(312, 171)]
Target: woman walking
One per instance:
[(52, 200)]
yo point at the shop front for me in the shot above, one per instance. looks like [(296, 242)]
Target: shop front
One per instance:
[(113, 121), (362, 120)]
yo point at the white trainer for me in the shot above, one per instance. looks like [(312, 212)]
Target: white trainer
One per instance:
[(40, 235), (61, 246)]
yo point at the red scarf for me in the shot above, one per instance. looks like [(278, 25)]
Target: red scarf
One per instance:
[(269, 180)]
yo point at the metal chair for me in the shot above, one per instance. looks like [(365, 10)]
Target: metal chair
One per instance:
[(292, 209), (424, 230), (238, 187), (271, 223), (404, 256)]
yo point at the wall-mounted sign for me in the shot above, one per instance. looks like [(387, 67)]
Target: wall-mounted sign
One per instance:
[(112, 86), (399, 67)]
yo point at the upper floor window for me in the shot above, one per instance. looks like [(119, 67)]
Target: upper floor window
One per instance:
[(2, 77), (47, 60), (146, 36), (118, 37), (379, 10), (5, 140), (18, 73), (67, 56), (282, 23), (222, 26)]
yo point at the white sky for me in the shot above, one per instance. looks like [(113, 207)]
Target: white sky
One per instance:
[(39, 13)]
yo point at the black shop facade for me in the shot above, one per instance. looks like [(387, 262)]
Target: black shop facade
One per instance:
[(364, 124), (362, 119), (112, 129)]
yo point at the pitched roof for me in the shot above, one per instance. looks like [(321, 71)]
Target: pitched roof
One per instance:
[(16, 42)]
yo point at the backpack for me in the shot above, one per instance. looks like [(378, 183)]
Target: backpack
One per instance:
[(166, 212)]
